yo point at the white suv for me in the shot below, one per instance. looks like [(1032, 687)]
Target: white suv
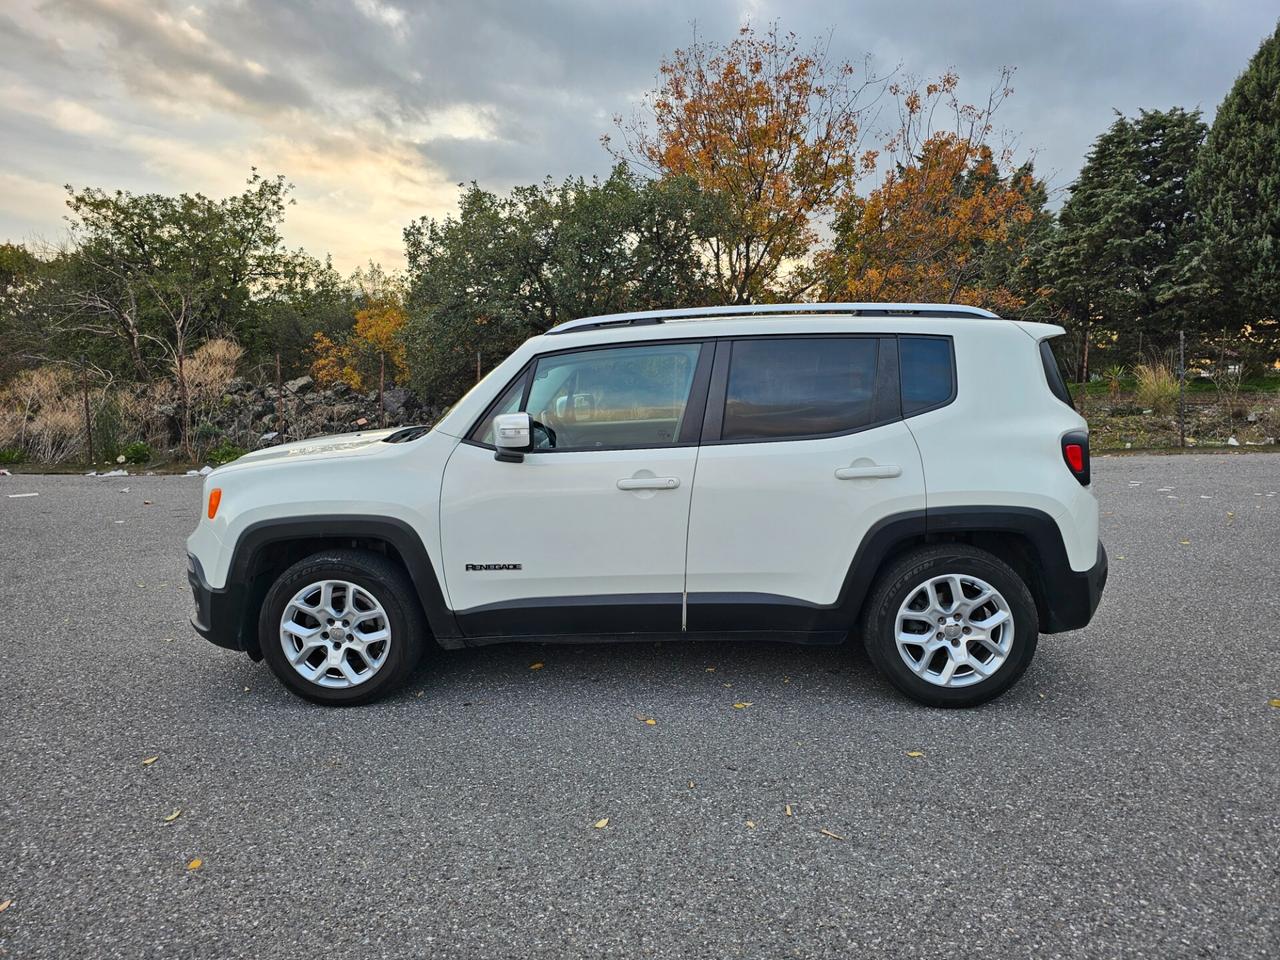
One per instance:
[(913, 474)]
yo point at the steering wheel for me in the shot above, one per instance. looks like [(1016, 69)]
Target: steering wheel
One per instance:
[(536, 425)]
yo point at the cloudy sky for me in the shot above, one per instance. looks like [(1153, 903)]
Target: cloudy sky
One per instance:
[(377, 109)]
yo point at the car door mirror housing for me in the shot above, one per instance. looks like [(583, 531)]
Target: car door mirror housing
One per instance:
[(513, 436)]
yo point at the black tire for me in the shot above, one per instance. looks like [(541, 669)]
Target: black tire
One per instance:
[(388, 583), (903, 577)]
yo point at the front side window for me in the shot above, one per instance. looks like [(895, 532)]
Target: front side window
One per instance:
[(926, 373), (633, 396), (786, 388)]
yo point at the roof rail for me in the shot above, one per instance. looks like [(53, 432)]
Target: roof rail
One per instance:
[(647, 317)]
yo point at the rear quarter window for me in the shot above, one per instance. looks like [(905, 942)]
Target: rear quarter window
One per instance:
[(926, 372), (1053, 373)]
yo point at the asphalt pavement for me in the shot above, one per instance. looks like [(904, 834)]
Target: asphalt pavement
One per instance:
[(1121, 801)]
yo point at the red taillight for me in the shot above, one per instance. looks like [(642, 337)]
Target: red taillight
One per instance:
[(1075, 453), (1075, 457)]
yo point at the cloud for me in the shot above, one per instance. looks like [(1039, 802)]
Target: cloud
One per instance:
[(377, 108)]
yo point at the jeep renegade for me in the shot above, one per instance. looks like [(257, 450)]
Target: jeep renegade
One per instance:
[(912, 474)]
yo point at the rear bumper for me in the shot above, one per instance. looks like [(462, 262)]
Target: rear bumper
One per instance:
[(1071, 598), (219, 616)]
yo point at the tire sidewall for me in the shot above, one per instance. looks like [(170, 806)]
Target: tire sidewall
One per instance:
[(401, 658), (881, 624)]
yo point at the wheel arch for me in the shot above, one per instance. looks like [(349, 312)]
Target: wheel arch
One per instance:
[(1028, 540), (268, 547)]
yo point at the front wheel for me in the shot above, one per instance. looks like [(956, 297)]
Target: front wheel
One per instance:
[(341, 627), (951, 625)]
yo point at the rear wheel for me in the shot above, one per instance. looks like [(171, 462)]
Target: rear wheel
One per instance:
[(951, 625), (341, 627)]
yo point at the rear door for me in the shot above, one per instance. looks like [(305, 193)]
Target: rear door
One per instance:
[(804, 450), (586, 535)]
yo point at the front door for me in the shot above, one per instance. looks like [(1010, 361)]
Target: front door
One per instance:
[(587, 534)]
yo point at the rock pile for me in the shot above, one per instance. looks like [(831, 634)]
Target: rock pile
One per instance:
[(248, 415)]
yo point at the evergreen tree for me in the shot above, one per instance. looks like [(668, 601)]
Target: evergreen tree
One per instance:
[(1113, 266), (1236, 186)]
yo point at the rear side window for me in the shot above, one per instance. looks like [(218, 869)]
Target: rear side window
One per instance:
[(1053, 374), (926, 373), (784, 388)]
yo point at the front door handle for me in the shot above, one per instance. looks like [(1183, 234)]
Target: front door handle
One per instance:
[(649, 483), (873, 472)]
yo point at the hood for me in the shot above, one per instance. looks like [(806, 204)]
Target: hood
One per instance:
[(317, 448)]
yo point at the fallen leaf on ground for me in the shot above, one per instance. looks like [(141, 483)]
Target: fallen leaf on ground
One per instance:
[(537, 666), (146, 503), (828, 833), (5, 905), (1275, 703), (150, 760), (788, 809), (711, 669), (173, 816), (195, 864), (601, 823), (1185, 543), (742, 705), (751, 824), (1120, 557), (648, 721), (915, 753)]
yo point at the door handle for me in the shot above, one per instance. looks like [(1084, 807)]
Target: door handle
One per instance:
[(873, 472), (649, 483)]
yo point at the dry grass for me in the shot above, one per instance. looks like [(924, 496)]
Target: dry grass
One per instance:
[(1157, 387)]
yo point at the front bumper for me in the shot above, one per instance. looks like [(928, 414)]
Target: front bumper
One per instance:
[(1071, 598), (219, 616)]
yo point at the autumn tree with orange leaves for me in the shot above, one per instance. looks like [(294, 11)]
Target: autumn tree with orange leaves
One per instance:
[(951, 217), (772, 130), (372, 352)]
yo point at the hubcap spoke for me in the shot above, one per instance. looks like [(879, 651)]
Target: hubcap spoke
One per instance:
[(335, 600), (952, 627)]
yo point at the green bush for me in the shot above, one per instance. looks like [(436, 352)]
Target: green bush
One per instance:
[(225, 452), (137, 452), (11, 455)]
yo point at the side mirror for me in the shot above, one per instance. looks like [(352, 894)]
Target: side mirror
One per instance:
[(512, 435)]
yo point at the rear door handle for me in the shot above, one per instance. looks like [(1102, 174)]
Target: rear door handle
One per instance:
[(649, 483), (873, 472)]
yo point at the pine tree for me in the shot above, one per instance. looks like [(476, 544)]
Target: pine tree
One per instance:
[(1113, 265), (1236, 186)]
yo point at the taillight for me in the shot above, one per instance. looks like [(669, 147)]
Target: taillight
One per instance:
[(1075, 452), (215, 498)]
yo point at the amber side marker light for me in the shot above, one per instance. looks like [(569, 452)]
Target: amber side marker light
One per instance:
[(215, 498)]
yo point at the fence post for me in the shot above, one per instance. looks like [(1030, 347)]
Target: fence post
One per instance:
[(279, 401), (382, 383), (88, 419), (1182, 392)]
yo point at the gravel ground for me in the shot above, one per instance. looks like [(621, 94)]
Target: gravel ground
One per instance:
[(1119, 802)]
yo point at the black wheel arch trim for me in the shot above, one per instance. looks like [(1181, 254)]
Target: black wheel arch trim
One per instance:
[(228, 616)]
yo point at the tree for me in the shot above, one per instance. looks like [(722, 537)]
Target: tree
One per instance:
[(373, 343), (159, 275), (772, 130), (1113, 266), (1236, 188), (951, 217), (509, 267)]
